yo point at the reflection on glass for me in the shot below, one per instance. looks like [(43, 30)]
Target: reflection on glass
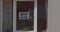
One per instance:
[(25, 17), (42, 16)]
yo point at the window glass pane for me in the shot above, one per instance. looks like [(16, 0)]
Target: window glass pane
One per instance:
[(25, 15)]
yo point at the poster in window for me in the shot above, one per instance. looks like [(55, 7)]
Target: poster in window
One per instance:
[(23, 15)]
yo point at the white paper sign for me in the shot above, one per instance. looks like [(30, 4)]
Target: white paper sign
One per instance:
[(23, 15)]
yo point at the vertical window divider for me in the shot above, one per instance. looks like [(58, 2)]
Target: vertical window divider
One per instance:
[(14, 15), (35, 15)]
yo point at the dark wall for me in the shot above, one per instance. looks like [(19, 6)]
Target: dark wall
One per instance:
[(42, 16), (7, 15)]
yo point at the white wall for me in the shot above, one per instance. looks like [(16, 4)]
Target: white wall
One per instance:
[(53, 15)]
